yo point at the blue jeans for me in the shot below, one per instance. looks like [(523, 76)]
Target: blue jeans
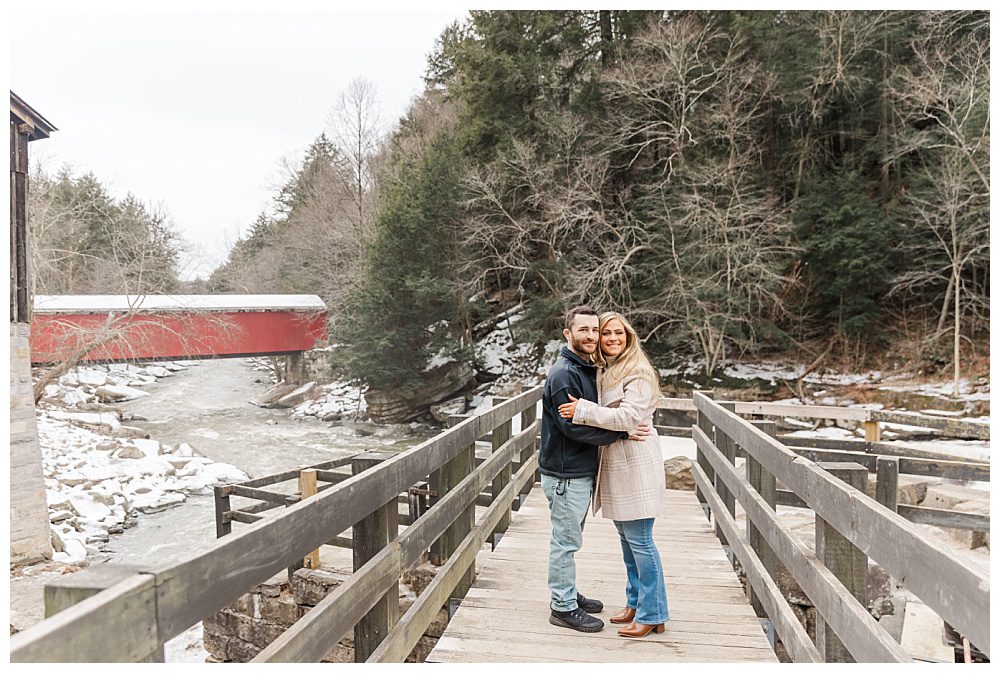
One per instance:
[(646, 590), (569, 500)]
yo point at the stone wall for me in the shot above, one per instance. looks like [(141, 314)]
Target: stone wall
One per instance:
[(30, 536), (238, 632)]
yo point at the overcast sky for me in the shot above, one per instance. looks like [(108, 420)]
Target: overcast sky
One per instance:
[(194, 110)]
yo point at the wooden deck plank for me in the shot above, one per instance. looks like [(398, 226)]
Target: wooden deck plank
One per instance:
[(504, 616)]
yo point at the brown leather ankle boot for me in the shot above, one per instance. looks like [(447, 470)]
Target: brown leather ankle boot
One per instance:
[(635, 630), (625, 616)]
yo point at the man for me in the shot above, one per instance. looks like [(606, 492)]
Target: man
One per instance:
[(568, 460)]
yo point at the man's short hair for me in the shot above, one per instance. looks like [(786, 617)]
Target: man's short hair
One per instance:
[(578, 310)]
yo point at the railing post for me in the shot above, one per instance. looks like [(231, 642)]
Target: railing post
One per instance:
[(873, 432), (501, 434), (307, 489), (887, 482), (727, 447), (848, 563), (446, 478), (437, 483), (371, 535), (705, 426), (68, 590), (528, 416), (764, 483), (222, 507)]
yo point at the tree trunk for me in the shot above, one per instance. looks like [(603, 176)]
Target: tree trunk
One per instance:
[(958, 321), (606, 37), (107, 333), (944, 309)]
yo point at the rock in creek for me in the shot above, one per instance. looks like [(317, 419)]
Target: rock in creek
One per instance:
[(441, 383), (118, 393), (677, 472), (443, 411), (286, 395)]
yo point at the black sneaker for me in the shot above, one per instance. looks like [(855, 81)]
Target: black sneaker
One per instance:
[(589, 605), (577, 620)]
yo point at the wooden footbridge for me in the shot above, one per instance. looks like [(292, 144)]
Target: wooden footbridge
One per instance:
[(499, 613)]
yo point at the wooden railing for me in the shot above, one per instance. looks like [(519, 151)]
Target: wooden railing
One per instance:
[(869, 418), (109, 614), (850, 528), (886, 461)]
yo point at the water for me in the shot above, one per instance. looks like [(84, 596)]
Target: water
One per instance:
[(208, 407)]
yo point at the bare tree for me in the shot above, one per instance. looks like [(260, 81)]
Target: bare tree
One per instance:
[(846, 40), (950, 223), (539, 221), (355, 126), (942, 98), (941, 101), (84, 242), (657, 94), (690, 107)]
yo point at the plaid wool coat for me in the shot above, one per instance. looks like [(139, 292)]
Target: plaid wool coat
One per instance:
[(630, 482)]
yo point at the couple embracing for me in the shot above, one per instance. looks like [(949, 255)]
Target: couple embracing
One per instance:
[(598, 447)]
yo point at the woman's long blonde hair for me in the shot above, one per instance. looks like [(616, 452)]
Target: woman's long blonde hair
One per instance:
[(632, 360)]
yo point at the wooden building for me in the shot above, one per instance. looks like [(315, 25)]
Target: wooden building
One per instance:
[(25, 125), (30, 536)]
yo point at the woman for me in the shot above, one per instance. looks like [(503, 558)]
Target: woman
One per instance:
[(630, 485)]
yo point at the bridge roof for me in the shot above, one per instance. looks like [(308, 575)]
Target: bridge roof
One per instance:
[(95, 303)]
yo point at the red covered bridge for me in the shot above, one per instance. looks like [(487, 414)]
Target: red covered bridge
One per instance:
[(167, 327)]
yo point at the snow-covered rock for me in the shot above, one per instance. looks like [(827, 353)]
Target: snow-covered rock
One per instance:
[(296, 396), (72, 478), (129, 431), (149, 447), (75, 552), (74, 396), (85, 418), (88, 508), (333, 402), (445, 410), (158, 371), (119, 393), (223, 473), (95, 474), (129, 452), (91, 377), (157, 501)]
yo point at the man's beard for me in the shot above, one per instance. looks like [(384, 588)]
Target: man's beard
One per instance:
[(586, 348)]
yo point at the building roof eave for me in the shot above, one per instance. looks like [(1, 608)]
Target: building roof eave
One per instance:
[(40, 126)]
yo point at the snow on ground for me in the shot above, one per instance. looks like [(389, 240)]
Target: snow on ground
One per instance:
[(97, 479), (775, 371), (968, 390), (334, 401), (186, 648), (970, 449), (330, 401), (512, 361), (829, 432)]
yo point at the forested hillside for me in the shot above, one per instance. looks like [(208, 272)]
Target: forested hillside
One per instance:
[(813, 184), (85, 241)]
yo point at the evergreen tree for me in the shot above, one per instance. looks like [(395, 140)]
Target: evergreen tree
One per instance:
[(405, 312), (848, 242)]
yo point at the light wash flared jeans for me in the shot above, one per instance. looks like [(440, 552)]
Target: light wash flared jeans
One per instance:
[(646, 590)]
